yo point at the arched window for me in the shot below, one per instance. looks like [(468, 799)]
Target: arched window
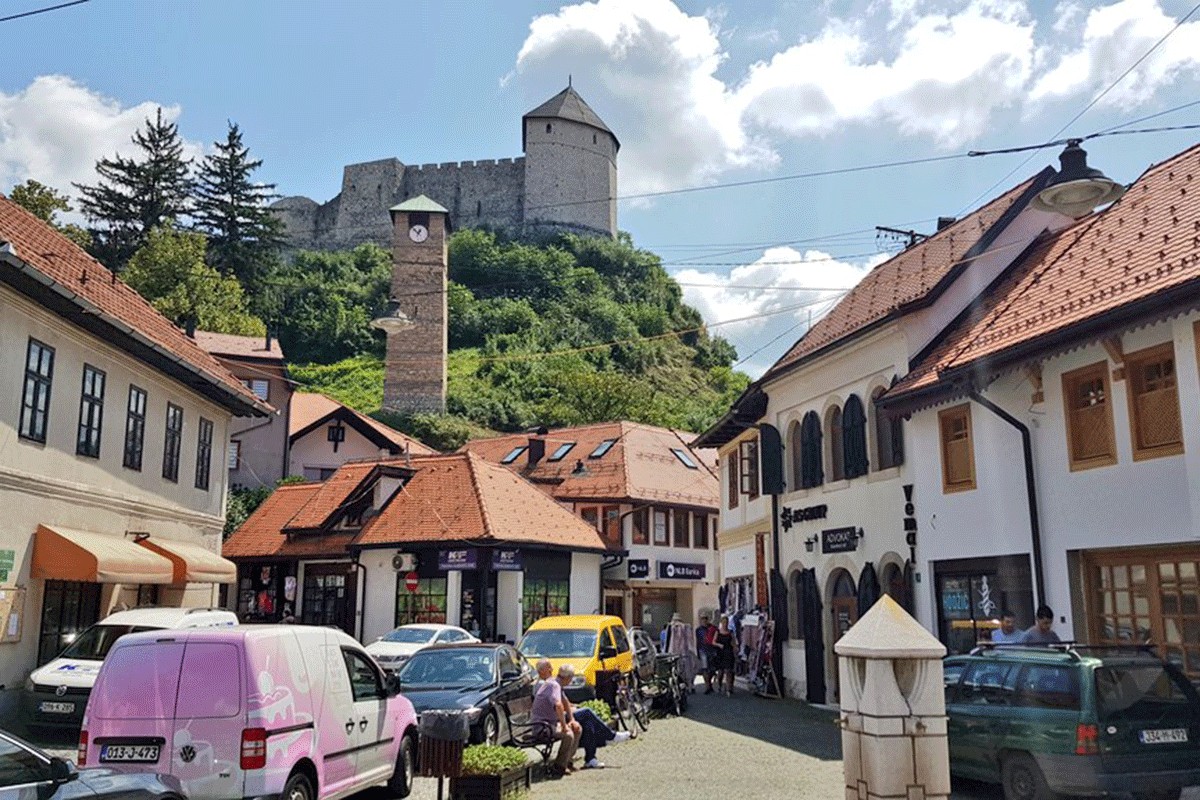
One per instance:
[(833, 432), (854, 434), (795, 448), (549, 127), (889, 435), (811, 472)]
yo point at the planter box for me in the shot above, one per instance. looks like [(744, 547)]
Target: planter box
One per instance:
[(491, 787)]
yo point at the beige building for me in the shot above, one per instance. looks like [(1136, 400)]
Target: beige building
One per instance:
[(113, 426), (326, 434)]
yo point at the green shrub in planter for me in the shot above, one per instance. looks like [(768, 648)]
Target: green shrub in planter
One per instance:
[(600, 708), (485, 759)]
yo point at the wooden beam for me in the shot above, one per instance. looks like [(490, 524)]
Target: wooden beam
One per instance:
[(1116, 353), (1034, 373)]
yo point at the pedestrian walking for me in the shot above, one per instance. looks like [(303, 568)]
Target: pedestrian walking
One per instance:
[(681, 641), (723, 645), (1007, 633), (1042, 631), (704, 633)]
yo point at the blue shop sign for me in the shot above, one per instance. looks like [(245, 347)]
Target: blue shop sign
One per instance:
[(506, 560), (458, 559)]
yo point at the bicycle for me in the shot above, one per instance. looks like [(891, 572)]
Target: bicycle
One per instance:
[(630, 710)]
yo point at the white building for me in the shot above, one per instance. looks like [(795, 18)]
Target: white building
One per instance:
[(324, 434), (113, 426)]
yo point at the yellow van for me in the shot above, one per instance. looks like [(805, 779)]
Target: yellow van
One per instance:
[(588, 642)]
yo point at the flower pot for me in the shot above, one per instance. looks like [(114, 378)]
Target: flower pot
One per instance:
[(491, 787)]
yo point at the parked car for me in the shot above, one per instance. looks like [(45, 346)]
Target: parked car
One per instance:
[(644, 653), (1073, 720), (27, 772), (56, 694), (392, 649), (282, 710), (493, 683), (588, 642)]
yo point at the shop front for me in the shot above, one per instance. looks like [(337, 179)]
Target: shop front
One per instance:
[(654, 589), (972, 593)]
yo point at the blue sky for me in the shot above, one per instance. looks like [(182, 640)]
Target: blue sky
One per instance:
[(699, 94)]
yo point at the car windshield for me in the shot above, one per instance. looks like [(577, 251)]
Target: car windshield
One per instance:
[(1142, 691), (450, 669), (559, 644), (410, 636), (94, 643)]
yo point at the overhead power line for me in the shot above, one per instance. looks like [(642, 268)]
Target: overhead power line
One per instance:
[(42, 10)]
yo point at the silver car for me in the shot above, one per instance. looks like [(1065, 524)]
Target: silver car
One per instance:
[(27, 773)]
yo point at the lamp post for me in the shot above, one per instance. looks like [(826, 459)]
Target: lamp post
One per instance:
[(1077, 189), (393, 320)]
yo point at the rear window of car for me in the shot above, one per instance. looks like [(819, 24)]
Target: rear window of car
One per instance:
[(1143, 691), (1048, 686), (210, 685), (138, 682)]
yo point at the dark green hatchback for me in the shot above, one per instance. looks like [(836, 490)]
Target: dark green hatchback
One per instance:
[(1074, 721)]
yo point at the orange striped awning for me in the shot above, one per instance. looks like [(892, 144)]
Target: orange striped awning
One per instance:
[(64, 554), (192, 563)]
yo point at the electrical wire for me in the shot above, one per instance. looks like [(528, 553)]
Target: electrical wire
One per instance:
[(36, 11)]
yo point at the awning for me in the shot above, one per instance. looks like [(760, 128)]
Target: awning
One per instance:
[(192, 563), (63, 554)]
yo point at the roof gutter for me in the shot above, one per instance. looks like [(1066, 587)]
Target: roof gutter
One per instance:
[(1035, 528), (257, 408)]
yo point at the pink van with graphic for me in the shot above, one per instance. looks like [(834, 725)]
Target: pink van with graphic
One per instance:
[(283, 710)]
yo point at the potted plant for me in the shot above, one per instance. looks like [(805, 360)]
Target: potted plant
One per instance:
[(600, 709), (491, 772)]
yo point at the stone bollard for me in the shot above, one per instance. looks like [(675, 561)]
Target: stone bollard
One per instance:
[(893, 708)]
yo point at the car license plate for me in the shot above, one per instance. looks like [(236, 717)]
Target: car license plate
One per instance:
[(129, 753), (1164, 736), (57, 708)]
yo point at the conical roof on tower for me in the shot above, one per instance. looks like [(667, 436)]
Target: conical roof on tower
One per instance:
[(567, 104)]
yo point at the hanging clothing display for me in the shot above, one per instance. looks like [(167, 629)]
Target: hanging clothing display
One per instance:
[(681, 641)]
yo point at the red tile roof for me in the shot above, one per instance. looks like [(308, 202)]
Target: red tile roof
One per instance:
[(89, 283), (1142, 248), (227, 344), (639, 467), (262, 534), (309, 407), (906, 279), (331, 496)]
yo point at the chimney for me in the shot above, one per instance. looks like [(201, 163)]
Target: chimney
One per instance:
[(945, 222), (270, 339), (537, 450)]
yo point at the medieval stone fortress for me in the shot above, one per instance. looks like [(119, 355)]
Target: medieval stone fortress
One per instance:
[(567, 180)]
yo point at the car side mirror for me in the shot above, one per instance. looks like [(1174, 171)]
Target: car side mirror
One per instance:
[(607, 652), (510, 675), (391, 683)]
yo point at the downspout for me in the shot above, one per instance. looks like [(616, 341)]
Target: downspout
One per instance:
[(362, 607), (1035, 528)]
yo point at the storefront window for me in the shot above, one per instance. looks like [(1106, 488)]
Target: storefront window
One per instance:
[(264, 591), (329, 596), (972, 593), (426, 605), (545, 598), (68, 607)]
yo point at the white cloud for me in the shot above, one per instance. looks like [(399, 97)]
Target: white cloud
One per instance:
[(55, 129), (1113, 38)]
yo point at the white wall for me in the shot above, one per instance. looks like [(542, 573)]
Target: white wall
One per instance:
[(379, 597), (510, 589), (585, 583), (314, 450)]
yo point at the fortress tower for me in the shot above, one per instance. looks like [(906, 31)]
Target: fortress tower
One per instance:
[(567, 179)]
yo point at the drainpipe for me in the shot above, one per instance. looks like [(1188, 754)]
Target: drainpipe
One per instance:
[(362, 607), (1035, 528)]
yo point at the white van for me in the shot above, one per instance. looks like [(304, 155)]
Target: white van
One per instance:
[(56, 693), (288, 711)]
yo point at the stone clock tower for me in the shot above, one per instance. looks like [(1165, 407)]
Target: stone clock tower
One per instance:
[(415, 364)]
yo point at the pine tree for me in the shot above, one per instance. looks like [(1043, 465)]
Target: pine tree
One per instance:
[(136, 195), (231, 209)]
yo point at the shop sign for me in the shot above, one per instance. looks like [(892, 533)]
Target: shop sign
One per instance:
[(639, 568), (674, 570), (839, 540), (506, 560), (458, 559), (788, 516)]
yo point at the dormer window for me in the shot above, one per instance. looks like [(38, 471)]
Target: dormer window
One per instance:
[(684, 458), (561, 452), (602, 448), (514, 454)]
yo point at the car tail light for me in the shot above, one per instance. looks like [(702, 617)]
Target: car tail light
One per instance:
[(1087, 740), (254, 748), (81, 756)]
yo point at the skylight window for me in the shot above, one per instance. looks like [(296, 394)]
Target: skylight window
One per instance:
[(685, 458), (602, 448), (561, 452), (514, 454)]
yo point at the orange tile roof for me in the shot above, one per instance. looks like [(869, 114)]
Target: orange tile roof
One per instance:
[(639, 467), (309, 407), (462, 497), (262, 533), (331, 496), (911, 277), (1143, 248), (227, 344), (56, 257)]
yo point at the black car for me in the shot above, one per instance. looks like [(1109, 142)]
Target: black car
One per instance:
[(492, 683), (27, 773)]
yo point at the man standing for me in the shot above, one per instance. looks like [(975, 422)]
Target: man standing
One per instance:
[(1007, 633), (704, 633), (552, 713), (1043, 631)]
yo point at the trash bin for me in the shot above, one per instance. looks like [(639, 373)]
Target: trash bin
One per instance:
[(442, 735)]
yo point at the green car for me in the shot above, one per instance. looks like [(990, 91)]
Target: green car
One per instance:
[(1075, 721)]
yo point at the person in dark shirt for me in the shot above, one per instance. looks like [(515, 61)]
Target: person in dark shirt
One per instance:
[(1043, 630), (704, 634)]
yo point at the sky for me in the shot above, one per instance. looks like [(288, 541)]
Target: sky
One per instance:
[(699, 94)]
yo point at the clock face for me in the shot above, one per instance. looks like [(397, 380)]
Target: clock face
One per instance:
[(418, 233)]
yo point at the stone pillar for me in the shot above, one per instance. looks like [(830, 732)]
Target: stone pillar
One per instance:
[(893, 708)]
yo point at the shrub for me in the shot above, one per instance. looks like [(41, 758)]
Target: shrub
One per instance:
[(600, 708), (489, 759)]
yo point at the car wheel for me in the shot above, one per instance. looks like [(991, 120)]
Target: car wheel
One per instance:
[(1022, 779), (401, 782), (1162, 794), (298, 787), (491, 729)]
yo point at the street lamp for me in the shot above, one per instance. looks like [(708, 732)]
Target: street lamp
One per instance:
[(393, 320), (1077, 189)]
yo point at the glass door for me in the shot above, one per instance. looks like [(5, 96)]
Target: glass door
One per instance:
[(68, 608)]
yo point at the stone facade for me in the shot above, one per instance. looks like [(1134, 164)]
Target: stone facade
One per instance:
[(567, 179)]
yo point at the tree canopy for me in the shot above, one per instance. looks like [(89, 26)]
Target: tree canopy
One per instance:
[(44, 202)]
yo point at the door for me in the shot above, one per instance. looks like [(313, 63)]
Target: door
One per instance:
[(330, 595), (620, 639), (68, 609), (374, 728), (338, 727), (208, 706), (979, 721), (515, 695), (843, 609)]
